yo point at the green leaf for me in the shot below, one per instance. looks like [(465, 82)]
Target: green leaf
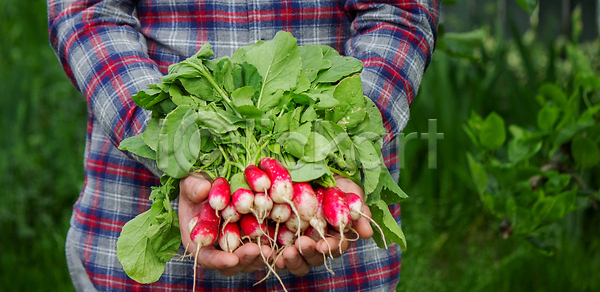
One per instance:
[(243, 96), (283, 123), (492, 134), (328, 52), (146, 98), (391, 229), (278, 62), (547, 117), (302, 98), (295, 118), (270, 101), (391, 193), (325, 101), (317, 148), (553, 208), (164, 107), (522, 149), (341, 67), (295, 142), (238, 181), (590, 82), (136, 145), (373, 121), (313, 61), (134, 249), (201, 88), (246, 75), (205, 52), (556, 182), (214, 121), (565, 134), (307, 171), (165, 236), (588, 114), (478, 174), (351, 109), (179, 142), (181, 70), (585, 152), (223, 74), (239, 54), (309, 115), (370, 161), (554, 93)]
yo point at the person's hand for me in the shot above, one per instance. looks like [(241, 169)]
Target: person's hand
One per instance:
[(312, 252), (245, 259)]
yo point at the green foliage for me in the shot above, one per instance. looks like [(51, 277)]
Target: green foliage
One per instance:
[(536, 179), (151, 239), (41, 144), (456, 242), (527, 5)]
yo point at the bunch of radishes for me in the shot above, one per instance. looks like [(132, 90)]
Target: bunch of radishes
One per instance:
[(271, 126), (266, 207)]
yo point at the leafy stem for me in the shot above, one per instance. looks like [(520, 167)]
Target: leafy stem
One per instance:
[(204, 71)]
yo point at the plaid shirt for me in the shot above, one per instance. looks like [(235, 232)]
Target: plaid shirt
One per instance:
[(112, 49)]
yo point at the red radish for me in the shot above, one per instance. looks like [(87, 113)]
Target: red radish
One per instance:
[(230, 237), (257, 179), (318, 222), (281, 190), (262, 206), (203, 228), (281, 212), (243, 200), (219, 194), (251, 227), (336, 211), (285, 237), (305, 200), (356, 206), (296, 225), (230, 214)]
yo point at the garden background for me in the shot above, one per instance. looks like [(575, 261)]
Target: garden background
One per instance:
[(501, 67)]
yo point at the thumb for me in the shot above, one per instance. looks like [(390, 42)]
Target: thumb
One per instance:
[(195, 187)]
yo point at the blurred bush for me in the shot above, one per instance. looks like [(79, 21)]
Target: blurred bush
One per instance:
[(43, 124), (455, 243)]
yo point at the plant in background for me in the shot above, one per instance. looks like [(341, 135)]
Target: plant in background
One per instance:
[(544, 171)]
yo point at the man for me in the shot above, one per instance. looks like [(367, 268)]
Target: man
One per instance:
[(112, 49)]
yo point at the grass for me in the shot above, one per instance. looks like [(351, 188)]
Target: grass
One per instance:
[(454, 244), (43, 134)]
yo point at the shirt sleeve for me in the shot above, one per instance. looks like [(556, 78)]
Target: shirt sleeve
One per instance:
[(103, 52), (395, 41)]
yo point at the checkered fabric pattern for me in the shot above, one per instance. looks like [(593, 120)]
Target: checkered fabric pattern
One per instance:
[(112, 49)]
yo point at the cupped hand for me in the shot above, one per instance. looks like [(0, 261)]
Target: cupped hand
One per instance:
[(193, 190), (312, 253)]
